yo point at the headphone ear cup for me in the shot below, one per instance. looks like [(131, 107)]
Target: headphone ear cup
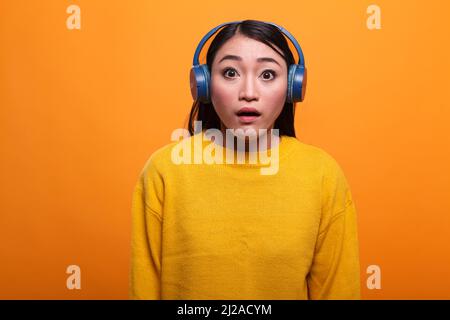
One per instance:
[(207, 83), (289, 84), (199, 81), (296, 83)]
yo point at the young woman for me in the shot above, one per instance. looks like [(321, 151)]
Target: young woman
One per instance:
[(223, 229)]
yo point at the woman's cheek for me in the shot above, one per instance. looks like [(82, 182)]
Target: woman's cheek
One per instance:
[(222, 95), (281, 91), (276, 98)]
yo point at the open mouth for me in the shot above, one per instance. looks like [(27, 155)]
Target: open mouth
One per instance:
[(245, 115)]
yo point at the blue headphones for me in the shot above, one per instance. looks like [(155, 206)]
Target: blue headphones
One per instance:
[(200, 78)]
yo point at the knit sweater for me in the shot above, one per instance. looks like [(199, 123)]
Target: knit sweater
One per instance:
[(226, 231)]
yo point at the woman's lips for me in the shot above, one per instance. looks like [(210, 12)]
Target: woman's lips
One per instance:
[(248, 118), (248, 114)]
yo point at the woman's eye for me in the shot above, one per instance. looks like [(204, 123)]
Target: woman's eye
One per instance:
[(230, 73), (267, 73)]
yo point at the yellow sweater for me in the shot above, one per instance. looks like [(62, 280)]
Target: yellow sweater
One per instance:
[(225, 231)]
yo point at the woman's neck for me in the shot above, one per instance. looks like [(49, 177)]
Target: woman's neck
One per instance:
[(263, 140)]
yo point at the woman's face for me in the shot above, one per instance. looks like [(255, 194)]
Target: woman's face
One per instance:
[(248, 73)]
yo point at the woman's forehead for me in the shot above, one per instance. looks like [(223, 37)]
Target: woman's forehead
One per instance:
[(244, 49)]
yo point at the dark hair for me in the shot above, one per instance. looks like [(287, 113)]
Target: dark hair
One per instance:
[(260, 31)]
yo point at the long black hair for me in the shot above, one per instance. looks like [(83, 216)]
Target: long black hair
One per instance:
[(260, 31)]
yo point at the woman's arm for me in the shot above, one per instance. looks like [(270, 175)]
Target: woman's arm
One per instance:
[(335, 270), (145, 267)]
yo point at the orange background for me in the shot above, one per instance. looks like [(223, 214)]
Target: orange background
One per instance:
[(82, 110)]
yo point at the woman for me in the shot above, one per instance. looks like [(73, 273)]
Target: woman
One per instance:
[(224, 230)]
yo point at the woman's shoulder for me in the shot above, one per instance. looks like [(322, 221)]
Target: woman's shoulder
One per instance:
[(160, 156), (333, 177), (320, 160), (312, 153)]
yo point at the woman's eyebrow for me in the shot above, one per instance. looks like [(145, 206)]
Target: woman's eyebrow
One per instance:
[(237, 58)]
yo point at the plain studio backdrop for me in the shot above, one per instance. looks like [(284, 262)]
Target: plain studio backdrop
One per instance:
[(82, 109)]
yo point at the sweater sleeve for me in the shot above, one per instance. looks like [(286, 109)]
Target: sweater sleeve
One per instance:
[(335, 270), (146, 224)]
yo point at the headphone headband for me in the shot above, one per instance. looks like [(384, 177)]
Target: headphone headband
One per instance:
[(202, 42)]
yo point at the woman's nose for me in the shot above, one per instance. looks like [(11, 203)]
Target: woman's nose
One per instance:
[(248, 90)]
